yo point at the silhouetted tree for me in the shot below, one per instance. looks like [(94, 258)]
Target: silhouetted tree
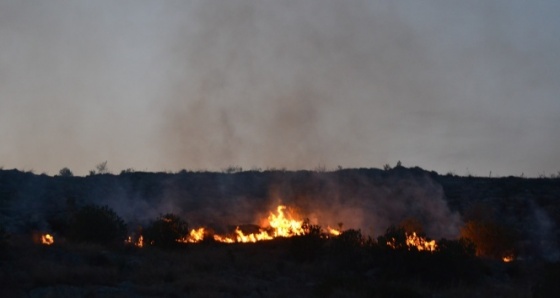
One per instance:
[(102, 168), (65, 172)]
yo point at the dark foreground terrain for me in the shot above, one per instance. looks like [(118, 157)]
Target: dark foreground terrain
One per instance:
[(277, 268)]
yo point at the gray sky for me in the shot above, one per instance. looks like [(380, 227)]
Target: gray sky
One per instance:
[(462, 86)]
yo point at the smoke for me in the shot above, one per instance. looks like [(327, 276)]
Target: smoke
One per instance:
[(544, 235), (279, 84), (367, 201)]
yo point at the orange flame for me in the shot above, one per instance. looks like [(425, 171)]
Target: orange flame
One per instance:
[(420, 243), (413, 240), (138, 243), (196, 235), (279, 224), (333, 232), (47, 239), (508, 258)]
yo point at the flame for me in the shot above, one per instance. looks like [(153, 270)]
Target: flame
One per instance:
[(196, 235), (223, 239), (413, 240), (508, 258), (285, 227), (47, 239), (279, 225), (138, 243), (333, 231), (420, 243)]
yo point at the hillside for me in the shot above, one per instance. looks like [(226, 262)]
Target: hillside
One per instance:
[(504, 217)]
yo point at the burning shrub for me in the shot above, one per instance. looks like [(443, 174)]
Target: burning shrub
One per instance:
[(97, 224), (166, 231)]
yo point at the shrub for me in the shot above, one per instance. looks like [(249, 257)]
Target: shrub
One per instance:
[(97, 224), (65, 172), (307, 247), (166, 231)]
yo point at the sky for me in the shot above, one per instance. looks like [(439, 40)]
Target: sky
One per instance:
[(469, 87)]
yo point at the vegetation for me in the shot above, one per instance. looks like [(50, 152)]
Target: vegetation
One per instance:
[(97, 224), (65, 172), (166, 231)]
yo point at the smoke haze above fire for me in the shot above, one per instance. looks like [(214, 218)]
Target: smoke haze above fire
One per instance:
[(469, 87)]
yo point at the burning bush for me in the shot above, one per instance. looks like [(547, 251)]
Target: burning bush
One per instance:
[(166, 231), (97, 224)]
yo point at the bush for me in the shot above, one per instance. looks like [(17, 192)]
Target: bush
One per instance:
[(166, 231), (65, 172), (307, 247), (97, 224)]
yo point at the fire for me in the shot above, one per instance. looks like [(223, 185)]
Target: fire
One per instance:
[(333, 232), (285, 227), (138, 243), (413, 240), (223, 239), (196, 235), (280, 225), (508, 258), (420, 243), (47, 239)]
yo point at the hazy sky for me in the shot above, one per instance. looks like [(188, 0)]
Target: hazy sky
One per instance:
[(462, 86)]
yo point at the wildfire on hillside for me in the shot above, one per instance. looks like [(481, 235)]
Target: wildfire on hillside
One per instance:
[(279, 224)]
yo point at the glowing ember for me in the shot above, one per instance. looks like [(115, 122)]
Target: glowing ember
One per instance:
[(47, 239), (138, 243), (508, 258)]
